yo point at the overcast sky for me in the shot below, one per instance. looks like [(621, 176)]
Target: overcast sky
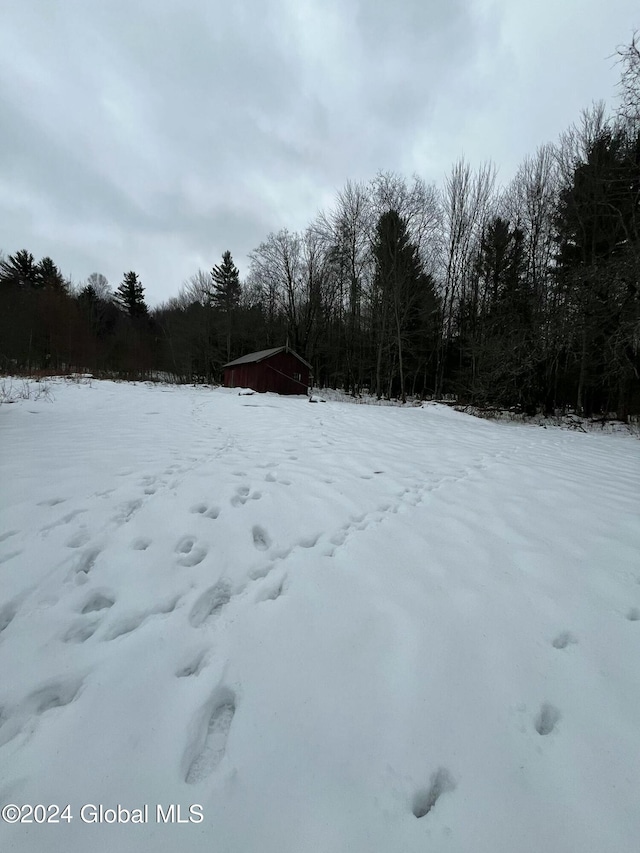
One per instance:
[(155, 134)]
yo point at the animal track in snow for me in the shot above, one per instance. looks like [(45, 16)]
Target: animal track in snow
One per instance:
[(127, 510), (9, 556), (261, 538), (78, 539), (257, 574), (212, 742), (66, 519), (141, 544), (241, 496), (81, 631), (308, 541), (87, 561), (126, 625), (563, 640), (547, 719), (273, 592), (425, 799), (193, 668), (98, 601), (6, 535), (191, 554), (7, 614), (205, 510), (210, 603), (53, 695), (52, 502), (633, 615)]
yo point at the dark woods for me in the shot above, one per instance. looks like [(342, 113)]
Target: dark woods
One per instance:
[(526, 296)]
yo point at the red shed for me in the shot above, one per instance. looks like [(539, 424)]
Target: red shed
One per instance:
[(281, 370)]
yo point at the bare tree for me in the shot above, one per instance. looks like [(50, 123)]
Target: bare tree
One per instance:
[(100, 286), (466, 203), (629, 59)]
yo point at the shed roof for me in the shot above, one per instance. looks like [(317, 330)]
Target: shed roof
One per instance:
[(261, 355)]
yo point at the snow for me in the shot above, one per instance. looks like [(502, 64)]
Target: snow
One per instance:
[(334, 628)]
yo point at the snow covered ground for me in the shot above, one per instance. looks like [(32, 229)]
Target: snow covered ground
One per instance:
[(333, 627)]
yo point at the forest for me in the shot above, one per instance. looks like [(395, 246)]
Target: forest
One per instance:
[(524, 296)]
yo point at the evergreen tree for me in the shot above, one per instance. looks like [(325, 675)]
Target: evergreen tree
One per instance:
[(49, 276), (226, 285), (226, 296), (501, 345), (399, 280), (130, 296), (19, 270), (598, 238)]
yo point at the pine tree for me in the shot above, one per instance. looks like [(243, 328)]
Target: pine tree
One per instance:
[(598, 238), (226, 295), (130, 296), (226, 285), (19, 270), (399, 282), (49, 276)]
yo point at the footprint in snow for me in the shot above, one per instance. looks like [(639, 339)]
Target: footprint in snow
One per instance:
[(205, 510), (131, 623), (241, 496), (7, 615), (56, 694), (272, 593), (78, 539), (424, 800), (86, 561), (261, 538), (141, 544), (634, 615), (194, 667), (127, 510), (81, 631), (6, 535), (563, 640), (52, 502), (210, 745), (210, 603), (191, 554), (547, 719), (126, 625), (66, 519), (98, 601), (9, 556)]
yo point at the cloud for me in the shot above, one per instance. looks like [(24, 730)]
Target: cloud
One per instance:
[(155, 135)]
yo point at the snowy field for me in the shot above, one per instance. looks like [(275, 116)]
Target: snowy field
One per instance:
[(332, 627)]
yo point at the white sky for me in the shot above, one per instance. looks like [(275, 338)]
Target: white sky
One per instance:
[(155, 135)]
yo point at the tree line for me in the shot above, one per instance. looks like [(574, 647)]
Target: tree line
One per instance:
[(524, 296)]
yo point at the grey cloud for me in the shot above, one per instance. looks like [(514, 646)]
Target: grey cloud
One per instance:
[(156, 134)]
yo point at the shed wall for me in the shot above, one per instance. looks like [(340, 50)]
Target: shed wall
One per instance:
[(275, 373)]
